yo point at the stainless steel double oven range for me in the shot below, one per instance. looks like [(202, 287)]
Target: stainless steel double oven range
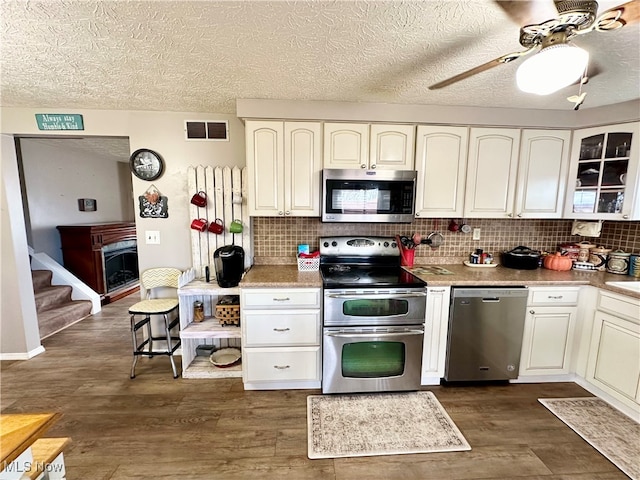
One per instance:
[(374, 314)]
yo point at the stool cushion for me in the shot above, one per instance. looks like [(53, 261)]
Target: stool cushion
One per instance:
[(154, 305)]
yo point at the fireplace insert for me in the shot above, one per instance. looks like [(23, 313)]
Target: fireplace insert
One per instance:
[(120, 264)]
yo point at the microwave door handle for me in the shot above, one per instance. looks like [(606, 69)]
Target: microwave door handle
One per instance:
[(347, 296)]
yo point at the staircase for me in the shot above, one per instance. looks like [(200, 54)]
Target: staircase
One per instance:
[(56, 311)]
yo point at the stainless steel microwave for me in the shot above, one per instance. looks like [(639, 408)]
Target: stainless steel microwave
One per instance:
[(368, 195)]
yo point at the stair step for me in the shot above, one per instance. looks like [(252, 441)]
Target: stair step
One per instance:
[(55, 319), (41, 279), (52, 296)]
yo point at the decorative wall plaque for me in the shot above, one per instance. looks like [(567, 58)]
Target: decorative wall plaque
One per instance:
[(153, 204)]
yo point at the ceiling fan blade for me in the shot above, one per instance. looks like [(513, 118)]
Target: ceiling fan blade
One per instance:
[(481, 68), (525, 12), (617, 17)]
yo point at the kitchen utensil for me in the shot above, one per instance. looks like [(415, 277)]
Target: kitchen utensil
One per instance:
[(453, 226), (521, 257), (634, 265), (199, 224), (599, 256), (217, 226), (618, 262), (236, 226), (434, 239), (481, 265), (407, 257), (583, 253), (199, 199), (584, 267), (229, 264), (571, 250), (225, 357), (198, 311), (417, 239)]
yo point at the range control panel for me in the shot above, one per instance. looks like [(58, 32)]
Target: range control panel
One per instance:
[(359, 246)]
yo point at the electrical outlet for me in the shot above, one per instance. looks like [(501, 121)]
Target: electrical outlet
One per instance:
[(476, 234), (152, 237)]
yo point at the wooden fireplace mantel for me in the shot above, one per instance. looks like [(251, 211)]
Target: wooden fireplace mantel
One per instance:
[(82, 253)]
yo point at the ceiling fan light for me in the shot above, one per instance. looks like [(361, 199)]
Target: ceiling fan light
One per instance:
[(551, 69)]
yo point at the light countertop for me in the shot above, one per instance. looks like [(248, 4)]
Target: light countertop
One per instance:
[(19, 431), (278, 276)]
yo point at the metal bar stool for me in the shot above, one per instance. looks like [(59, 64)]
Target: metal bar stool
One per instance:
[(153, 280)]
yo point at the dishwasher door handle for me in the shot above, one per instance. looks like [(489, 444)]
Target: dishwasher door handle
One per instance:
[(490, 300)]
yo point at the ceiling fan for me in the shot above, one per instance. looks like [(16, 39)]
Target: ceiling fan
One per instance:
[(551, 40)]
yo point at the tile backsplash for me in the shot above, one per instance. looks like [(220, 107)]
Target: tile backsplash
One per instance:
[(275, 239)]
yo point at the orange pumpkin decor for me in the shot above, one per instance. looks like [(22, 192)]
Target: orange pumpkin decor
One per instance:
[(557, 262)]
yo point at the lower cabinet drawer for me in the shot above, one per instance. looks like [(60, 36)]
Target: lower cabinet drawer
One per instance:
[(277, 364), (291, 327), (554, 296)]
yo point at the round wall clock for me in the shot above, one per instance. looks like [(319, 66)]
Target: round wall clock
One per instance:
[(146, 164)]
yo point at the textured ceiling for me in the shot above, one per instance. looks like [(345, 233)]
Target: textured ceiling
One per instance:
[(200, 56)]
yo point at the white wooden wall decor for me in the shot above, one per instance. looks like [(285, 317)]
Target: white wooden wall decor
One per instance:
[(226, 199)]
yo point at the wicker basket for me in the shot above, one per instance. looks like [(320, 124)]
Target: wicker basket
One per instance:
[(308, 264), (228, 310)]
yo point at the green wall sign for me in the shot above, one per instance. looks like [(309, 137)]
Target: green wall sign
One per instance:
[(59, 121)]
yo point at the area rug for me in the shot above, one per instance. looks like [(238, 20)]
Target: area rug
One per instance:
[(361, 425), (609, 431)]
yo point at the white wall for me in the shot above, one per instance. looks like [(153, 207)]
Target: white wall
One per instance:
[(164, 133), (19, 334), (56, 177)]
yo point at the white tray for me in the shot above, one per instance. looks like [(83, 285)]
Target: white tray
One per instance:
[(480, 265)]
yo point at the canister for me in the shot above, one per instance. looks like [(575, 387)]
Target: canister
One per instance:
[(570, 250), (584, 252), (618, 262), (198, 311), (634, 265), (598, 256)]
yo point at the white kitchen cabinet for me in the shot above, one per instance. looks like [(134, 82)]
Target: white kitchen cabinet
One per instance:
[(364, 146), (435, 335), (513, 173), (491, 172), (614, 353), (603, 175), (207, 332), (283, 166), (542, 173), (549, 329), (281, 338), (441, 164)]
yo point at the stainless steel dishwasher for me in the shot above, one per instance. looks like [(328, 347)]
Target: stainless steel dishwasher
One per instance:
[(485, 333)]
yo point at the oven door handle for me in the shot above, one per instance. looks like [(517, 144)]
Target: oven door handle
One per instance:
[(349, 296), (386, 333)]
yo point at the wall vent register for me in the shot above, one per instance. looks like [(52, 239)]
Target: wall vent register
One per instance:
[(206, 130)]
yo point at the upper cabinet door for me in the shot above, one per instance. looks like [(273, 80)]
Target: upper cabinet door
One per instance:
[(542, 173), (441, 163), (491, 174), (603, 175), (302, 159), (265, 167), (391, 147), (346, 145)]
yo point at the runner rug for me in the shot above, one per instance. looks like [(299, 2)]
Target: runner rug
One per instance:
[(606, 429), (360, 425)]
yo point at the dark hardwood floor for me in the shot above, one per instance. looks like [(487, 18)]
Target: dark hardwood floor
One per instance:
[(155, 427)]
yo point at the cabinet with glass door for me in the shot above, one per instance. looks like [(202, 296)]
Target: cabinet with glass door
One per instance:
[(604, 173)]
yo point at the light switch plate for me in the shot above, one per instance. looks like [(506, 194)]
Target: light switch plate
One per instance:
[(476, 234), (152, 237)]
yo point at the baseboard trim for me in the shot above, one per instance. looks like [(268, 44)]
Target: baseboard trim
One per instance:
[(22, 356)]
